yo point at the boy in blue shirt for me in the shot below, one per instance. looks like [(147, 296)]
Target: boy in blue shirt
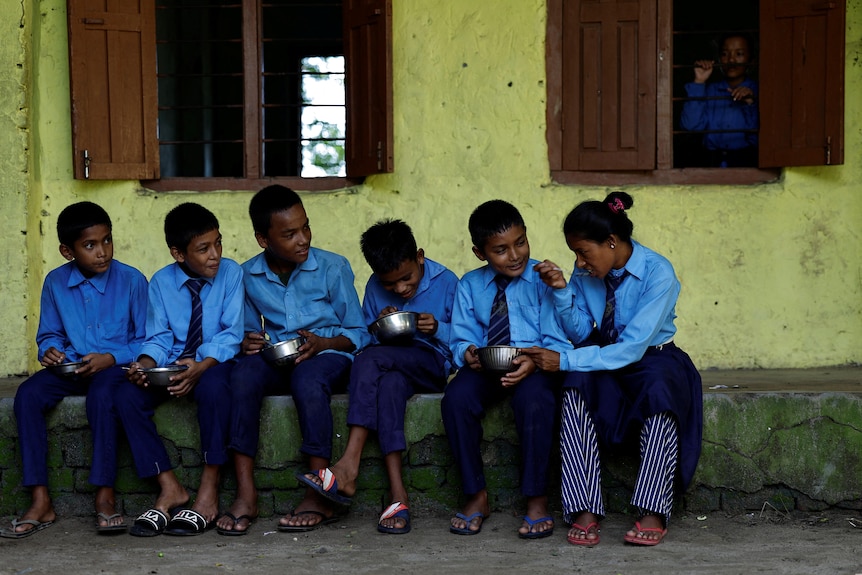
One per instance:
[(384, 377), (93, 309), (508, 289), (303, 291), (194, 318)]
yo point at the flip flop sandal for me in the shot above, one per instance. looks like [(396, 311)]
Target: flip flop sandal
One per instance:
[(594, 527), (188, 522), (236, 532), (396, 510), (637, 540), (304, 528), (150, 523), (37, 526), (537, 534), (109, 527), (468, 519), (328, 486)]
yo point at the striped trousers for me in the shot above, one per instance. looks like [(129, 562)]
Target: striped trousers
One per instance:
[(582, 477)]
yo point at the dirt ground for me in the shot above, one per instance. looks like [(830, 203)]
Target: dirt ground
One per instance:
[(761, 543)]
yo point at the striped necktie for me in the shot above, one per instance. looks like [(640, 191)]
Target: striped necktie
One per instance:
[(498, 326), (195, 334), (608, 332)]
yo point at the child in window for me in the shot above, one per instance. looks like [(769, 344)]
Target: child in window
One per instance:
[(194, 319), (93, 310), (385, 376), (303, 291), (726, 108), (502, 303)]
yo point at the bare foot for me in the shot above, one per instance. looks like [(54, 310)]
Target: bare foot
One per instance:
[(585, 530), (542, 524), (234, 519), (41, 511), (106, 508), (476, 507)]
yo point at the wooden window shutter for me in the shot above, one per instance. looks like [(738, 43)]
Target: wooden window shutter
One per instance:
[(609, 89), (112, 67), (368, 61), (801, 82)]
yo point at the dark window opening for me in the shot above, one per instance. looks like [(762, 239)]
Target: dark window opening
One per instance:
[(710, 129)]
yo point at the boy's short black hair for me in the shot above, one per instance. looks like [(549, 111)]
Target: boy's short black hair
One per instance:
[(78, 217), (187, 221), (491, 218), (270, 200), (387, 244)]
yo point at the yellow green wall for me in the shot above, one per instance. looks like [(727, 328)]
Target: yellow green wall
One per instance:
[(770, 273)]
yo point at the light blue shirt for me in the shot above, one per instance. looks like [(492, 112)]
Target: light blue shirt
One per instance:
[(106, 313), (532, 321), (319, 297), (170, 310), (644, 311), (435, 295)]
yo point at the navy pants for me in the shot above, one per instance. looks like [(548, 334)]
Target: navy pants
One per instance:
[(311, 383), (535, 404), (42, 392), (136, 407), (382, 379)]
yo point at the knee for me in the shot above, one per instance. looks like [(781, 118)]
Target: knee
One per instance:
[(26, 398)]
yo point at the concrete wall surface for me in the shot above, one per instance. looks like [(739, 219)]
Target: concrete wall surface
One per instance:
[(770, 272)]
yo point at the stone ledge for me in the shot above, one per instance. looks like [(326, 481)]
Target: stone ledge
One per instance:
[(790, 438)]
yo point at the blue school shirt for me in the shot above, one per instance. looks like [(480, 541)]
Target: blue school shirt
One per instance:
[(106, 313), (319, 297), (644, 311), (722, 114), (532, 320), (435, 294), (170, 309)]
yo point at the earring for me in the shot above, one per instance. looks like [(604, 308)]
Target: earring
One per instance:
[(613, 246)]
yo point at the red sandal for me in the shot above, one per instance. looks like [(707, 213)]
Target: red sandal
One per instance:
[(592, 527), (637, 539)]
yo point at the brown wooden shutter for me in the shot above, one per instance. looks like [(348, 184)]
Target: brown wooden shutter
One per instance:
[(112, 67), (368, 59), (609, 89), (801, 82)]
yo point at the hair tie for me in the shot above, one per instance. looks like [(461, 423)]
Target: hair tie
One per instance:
[(617, 206)]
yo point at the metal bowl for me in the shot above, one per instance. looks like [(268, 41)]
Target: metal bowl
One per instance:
[(400, 325), (160, 376), (284, 352), (66, 369), (498, 357)]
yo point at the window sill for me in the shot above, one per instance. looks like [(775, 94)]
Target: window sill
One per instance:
[(245, 185), (689, 176)]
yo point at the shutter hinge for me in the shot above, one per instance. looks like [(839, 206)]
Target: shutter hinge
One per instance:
[(828, 150), (86, 164), (380, 155)]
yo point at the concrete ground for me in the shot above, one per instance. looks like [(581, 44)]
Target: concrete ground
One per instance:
[(766, 542)]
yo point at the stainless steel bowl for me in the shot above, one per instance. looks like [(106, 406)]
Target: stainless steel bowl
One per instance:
[(284, 352), (498, 357), (66, 369), (160, 376), (400, 325)]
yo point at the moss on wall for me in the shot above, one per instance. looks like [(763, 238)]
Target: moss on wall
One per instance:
[(770, 273)]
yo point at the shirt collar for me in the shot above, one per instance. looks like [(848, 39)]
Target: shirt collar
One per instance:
[(98, 281), (180, 277), (636, 266)]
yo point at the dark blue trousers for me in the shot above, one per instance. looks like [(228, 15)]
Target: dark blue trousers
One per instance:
[(382, 379), (311, 383), (535, 404), (42, 392), (136, 406)]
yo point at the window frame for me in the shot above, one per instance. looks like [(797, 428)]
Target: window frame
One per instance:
[(560, 130), (114, 120)]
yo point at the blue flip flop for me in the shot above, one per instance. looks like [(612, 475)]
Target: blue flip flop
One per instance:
[(328, 486), (537, 534), (468, 519), (397, 510)]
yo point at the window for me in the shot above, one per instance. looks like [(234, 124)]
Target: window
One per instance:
[(612, 88), (317, 76)]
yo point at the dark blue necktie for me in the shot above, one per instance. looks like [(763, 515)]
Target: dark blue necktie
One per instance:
[(196, 332), (608, 331), (498, 326)]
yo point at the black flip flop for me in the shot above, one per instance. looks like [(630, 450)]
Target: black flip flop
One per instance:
[(304, 528), (235, 532)]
